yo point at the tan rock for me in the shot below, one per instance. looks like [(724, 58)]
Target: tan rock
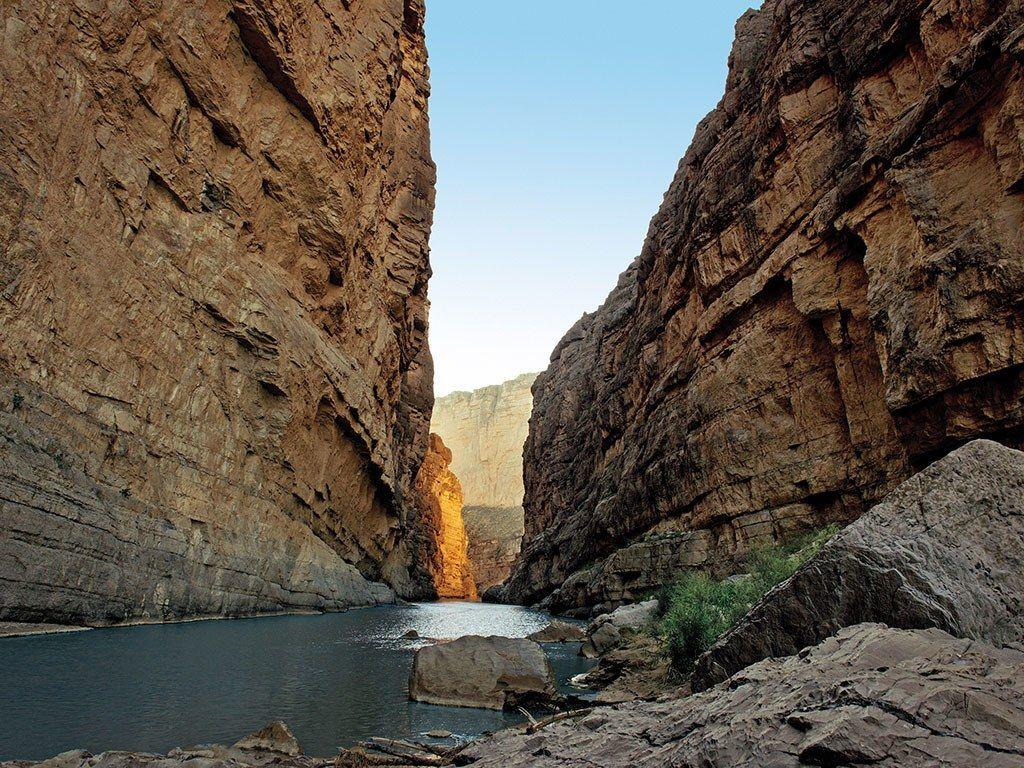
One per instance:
[(276, 737), (443, 534), (215, 384), (486, 429), (944, 550), (485, 672), (829, 298), (558, 632), (871, 695)]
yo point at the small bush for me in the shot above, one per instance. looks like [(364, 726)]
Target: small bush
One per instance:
[(696, 610), (17, 401)]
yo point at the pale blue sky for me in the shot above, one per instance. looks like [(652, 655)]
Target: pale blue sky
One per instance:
[(556, 126)]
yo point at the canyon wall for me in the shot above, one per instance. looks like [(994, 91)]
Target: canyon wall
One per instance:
[(215, 384), (830, 297), (442, 542), (486, 429)]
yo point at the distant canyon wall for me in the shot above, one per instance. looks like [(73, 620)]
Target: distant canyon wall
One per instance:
[(486, 429), (830, 297), (215, 384), (443, 544)]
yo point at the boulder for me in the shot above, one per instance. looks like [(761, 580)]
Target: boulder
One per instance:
[(487, 672), (945, 549), (558, 632), (870, 695), (607, 631), (276, 737)]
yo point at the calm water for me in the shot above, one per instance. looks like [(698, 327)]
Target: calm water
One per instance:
[(335, 679)]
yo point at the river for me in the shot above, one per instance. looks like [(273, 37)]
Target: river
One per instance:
[(334, 678)]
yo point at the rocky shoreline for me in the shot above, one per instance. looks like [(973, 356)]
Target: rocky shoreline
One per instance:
[(898, 643)]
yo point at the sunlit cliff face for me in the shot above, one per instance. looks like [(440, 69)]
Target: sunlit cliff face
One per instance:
[(441, 507)]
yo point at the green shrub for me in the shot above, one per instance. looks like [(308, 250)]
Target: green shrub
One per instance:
[(696, 610), (17, 401)]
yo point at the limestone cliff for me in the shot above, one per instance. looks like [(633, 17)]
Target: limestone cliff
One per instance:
[(486, 429), (830, 296), (215, 384), (442, 544)]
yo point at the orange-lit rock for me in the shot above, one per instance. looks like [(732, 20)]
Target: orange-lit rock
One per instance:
[(444, 544)]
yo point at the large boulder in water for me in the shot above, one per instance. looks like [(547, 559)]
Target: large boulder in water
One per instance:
[(558, 632), (488, 672), (945, 549), (871, 695)]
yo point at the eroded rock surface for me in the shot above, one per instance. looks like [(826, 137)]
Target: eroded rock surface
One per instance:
[(945, 549), (488, 672), (829, 298), (495, 534), (215, 385), (275, 737), (608, 630), (442, 543), (871, 695), (486, 429), (558, 632)]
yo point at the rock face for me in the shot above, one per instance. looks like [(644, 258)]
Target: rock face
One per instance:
[(486, 430), (487, 672), (215, 385), (829, 298), (276, 737), (558, 632), (443, 535), (870, 695), (945, 549), (495, 534), (608, 630)]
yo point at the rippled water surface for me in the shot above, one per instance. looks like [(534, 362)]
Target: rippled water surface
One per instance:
[(335, 679)]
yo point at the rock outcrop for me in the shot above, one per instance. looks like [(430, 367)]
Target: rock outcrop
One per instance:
[(607, 631), (486, 429), (869, 696), (495, 534), (442, 538), (945, 550), (487, 672), (558, 632), (275, 738), (831, 296), (215, 384)]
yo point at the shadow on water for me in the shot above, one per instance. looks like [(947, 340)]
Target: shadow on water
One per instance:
[(335, 679)]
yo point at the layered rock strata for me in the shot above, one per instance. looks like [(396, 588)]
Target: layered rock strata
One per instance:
[(486, 429), (495, 534), (443, 544), (945, 550), (829, 298), (215, 384), (869, 696)]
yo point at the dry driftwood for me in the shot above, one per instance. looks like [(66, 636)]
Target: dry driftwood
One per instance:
[(413, 754), (536, 725)]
